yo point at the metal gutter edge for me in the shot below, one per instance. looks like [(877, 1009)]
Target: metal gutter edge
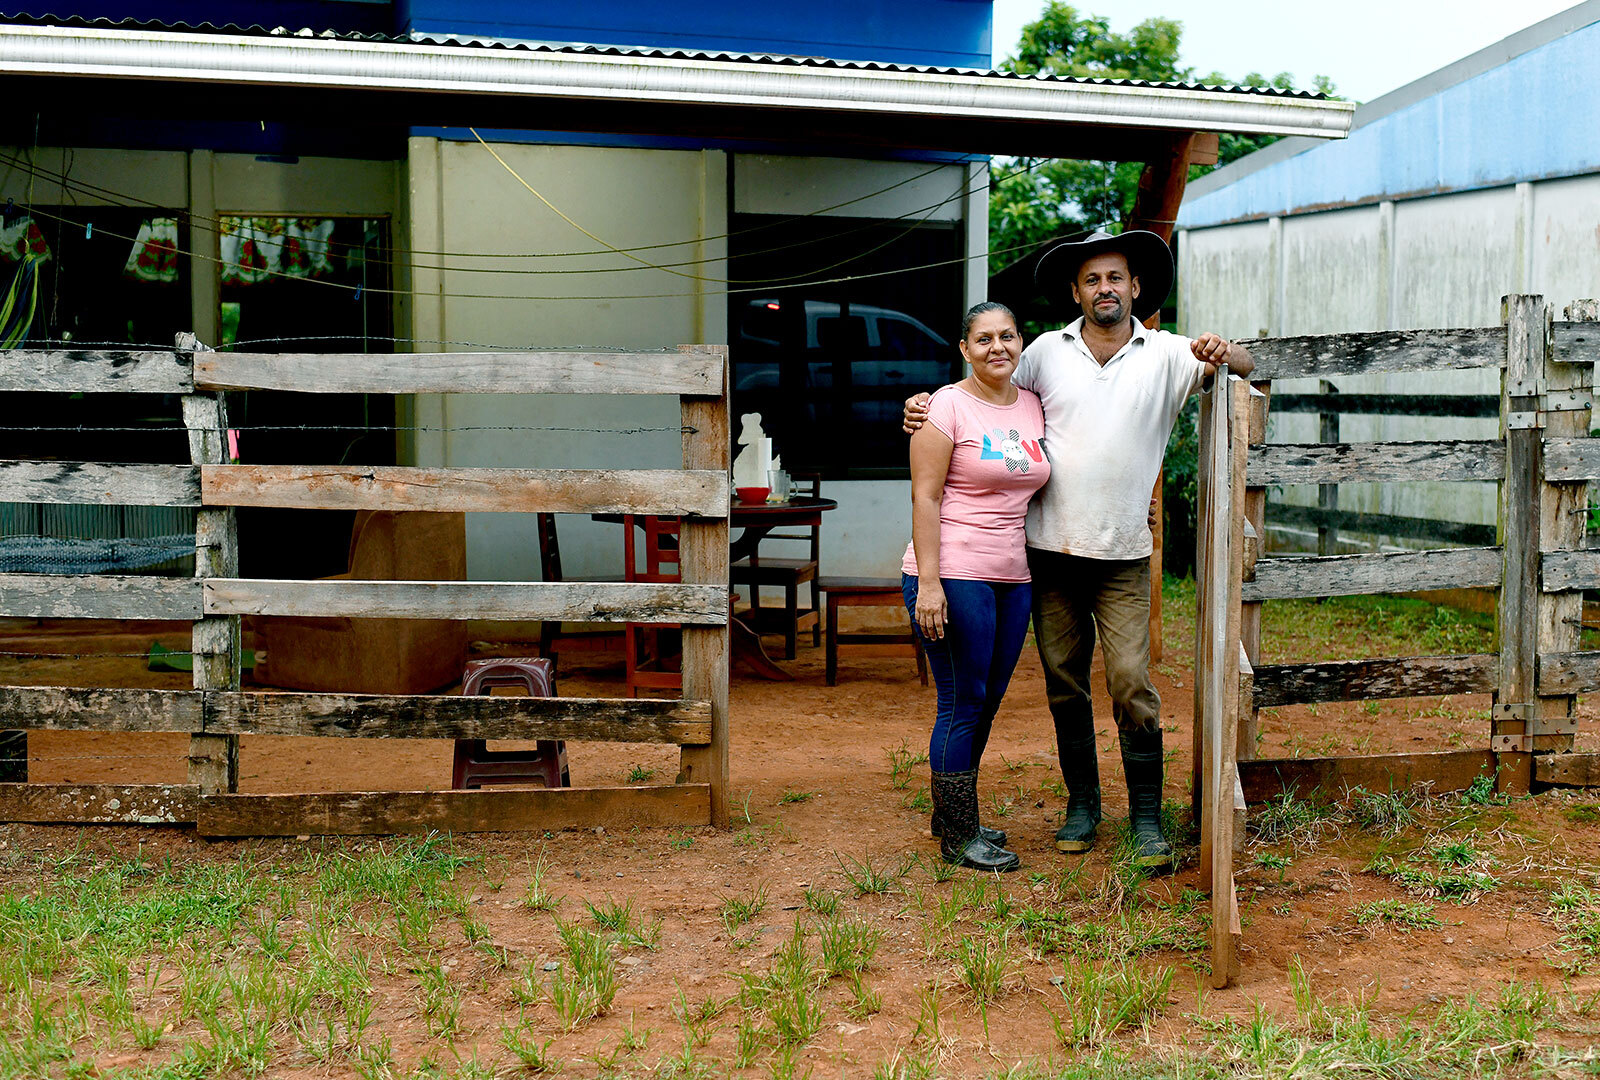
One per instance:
[(334, 64)]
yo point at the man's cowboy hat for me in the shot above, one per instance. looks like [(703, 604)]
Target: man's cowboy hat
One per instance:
[(1149, 260)]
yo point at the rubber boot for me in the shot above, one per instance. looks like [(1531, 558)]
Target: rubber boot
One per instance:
[(980, 739), (1080, 768), (955, 803), (1141, 763)]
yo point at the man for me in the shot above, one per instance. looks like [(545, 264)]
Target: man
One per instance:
[(1111, 390)]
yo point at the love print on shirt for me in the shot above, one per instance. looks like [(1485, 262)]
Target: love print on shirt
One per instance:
[(1014, 450)]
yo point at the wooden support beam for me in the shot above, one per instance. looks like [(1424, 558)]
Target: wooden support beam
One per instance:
[(446, 716), (703, 563), (504, 810), (692, 371), (1527, 343), (1334, 777), (99, 596), (1376, 463), (1567, 770), (1355, 575), (1575, 672), (1576, 341), (1383, 351), (671, 493), (101, 485), (1255, 531), (217, 636), (1561, 504), (1155, 209), (109, 804), (568, 601), (74, 371), (1571, 458), (1370, 680)]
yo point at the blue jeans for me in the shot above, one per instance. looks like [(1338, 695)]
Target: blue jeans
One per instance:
[(972, 663)]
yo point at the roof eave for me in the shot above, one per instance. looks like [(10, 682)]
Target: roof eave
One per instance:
[(377, 66)]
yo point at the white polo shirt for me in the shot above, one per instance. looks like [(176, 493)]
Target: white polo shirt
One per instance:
[(1106, 429)]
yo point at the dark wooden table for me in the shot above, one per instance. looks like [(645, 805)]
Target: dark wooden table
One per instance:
[(759, 519), (756, 520)]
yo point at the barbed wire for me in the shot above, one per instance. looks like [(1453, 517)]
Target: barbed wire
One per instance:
[(81, 429), (97, 655)]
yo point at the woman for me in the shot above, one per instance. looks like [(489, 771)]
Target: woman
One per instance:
[(974, 466)]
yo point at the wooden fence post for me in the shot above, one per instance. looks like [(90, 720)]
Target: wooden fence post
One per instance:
[(1522, 386), (1255, 539), (1565, 411), (703, 553), (213, 759)]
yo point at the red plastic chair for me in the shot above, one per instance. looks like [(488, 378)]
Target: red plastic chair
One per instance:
[(648, 648)]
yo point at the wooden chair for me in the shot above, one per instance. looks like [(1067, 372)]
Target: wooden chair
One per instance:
[(651, 650), (788, 573), (552, 641), (865, 592)]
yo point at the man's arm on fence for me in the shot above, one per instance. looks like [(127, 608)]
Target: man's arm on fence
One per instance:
[(1214, 352)]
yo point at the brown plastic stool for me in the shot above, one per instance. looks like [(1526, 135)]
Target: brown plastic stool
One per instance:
[(475, 764)]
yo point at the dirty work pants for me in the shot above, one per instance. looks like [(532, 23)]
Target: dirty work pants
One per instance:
[(1073, 598), (971, 664)]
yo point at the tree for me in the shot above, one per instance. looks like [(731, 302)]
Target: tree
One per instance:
[(1032, 199)]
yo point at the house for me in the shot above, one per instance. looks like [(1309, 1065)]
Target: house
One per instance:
[(1476, 181), (804, 183)]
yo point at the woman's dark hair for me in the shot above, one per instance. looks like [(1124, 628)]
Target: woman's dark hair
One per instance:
[(983, 309)]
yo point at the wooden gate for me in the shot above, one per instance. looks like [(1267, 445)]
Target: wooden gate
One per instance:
[(1542, 460), (216, 712)]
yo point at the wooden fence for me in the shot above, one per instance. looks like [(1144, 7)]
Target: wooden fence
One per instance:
[(216, 712), (1540, 567)]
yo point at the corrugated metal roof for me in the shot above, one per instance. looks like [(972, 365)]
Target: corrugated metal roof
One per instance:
[(580, 49)]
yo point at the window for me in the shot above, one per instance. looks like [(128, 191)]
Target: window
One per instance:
[(828, 365)]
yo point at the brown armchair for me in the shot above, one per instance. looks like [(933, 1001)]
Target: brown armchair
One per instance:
[(377, 656)]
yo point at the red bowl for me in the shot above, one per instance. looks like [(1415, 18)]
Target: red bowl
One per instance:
[(752, 494)]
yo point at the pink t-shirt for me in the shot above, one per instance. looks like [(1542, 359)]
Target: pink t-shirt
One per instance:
[(998, 462)]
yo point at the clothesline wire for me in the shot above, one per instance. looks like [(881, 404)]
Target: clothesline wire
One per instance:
[(84, 186), (699, 293), (646, 264)]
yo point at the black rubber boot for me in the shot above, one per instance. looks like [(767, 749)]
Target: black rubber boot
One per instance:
[(1141, 763), (994, 836), (955, 803), (980, 739), (1080, 768)]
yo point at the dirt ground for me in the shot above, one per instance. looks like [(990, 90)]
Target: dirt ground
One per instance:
[(813, 787)]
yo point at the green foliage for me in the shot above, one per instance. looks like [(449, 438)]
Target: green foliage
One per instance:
[(1403, 914), (1034, 200)]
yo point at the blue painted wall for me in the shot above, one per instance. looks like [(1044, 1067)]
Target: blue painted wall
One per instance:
[(365, 16), (945, 33), (939, 33), (1536, 116)]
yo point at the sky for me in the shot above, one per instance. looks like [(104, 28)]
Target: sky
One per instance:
[(1367, 47)]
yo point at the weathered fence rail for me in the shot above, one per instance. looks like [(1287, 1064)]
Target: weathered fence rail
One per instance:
[(1536, 558), (217, 712)]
